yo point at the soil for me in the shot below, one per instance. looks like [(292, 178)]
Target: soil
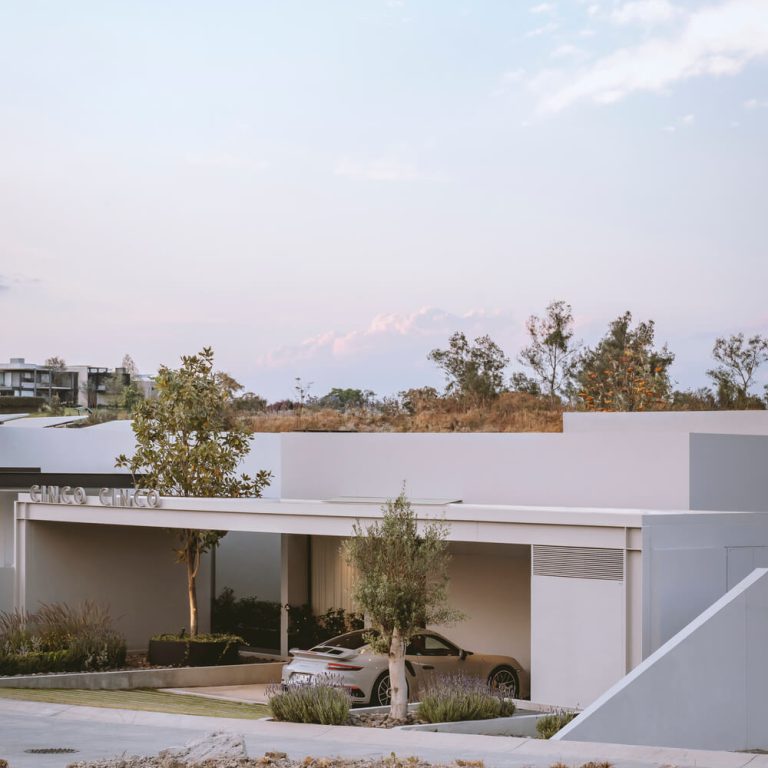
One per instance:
[(382, 720)]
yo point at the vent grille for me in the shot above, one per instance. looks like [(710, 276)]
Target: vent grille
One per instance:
[(578, 562)]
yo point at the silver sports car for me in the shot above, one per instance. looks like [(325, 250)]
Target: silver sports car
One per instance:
[(365, 673)]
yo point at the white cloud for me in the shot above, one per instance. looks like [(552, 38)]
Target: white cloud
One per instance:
[(716, 40), (544, 29), (645, 12), (755, 103), (542, 8), (386, 334), (568, 51), (688, 119)]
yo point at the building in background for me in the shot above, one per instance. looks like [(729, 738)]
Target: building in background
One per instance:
[(75, 385)]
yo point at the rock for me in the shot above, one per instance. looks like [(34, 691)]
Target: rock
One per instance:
[(215, 746)]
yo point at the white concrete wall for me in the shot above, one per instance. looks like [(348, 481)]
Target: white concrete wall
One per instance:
[(581, 470), (133, 570), (712, 422), (7, 499), (729, 472), (491, 585), (690, 561), (577, 639), (249, 563), (94, 449), (706, 688)]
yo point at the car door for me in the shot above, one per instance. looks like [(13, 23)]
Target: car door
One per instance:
[(436, 655)]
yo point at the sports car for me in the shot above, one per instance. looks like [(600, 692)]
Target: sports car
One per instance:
[(365, 674)]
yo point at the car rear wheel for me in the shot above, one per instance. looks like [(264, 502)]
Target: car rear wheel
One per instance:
[(381, 693), (505, 680)]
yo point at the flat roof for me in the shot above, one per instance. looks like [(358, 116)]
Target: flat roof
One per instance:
[(484, 523)]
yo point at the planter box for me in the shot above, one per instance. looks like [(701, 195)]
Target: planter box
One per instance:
[(178, 677), (192, 653)]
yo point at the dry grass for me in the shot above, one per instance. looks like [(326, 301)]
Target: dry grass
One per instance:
[(510, 412)]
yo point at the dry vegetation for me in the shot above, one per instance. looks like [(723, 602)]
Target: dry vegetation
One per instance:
[(509, 412)]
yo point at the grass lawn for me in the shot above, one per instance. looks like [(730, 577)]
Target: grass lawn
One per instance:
[(143, 699)]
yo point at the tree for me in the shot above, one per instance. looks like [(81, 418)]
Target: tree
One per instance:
[(552, 353), (346, 399), (55, 363), (185, 447), (624, 372), (130, 367), (401, 584), (474, 371), (739, 360)]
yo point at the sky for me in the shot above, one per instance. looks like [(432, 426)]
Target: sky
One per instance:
[(328, 190)]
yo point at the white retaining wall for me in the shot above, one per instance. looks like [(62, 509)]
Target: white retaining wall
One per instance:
[(707, 688)]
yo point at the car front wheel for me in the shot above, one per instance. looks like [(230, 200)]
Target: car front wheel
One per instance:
[(504, 680)]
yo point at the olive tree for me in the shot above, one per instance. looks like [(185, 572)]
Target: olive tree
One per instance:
[(186, 445), (402, 581)]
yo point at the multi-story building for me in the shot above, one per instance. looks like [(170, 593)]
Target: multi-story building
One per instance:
[(76, 385), (19, 378)]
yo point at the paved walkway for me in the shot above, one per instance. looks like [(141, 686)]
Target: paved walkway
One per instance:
[(247, 694), (99, 733)]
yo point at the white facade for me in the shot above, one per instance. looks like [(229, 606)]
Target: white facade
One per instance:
[(579, 553)]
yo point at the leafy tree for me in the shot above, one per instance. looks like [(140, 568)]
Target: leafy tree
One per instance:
[(521, 382), (401, 584), (474, 371), (346, 399), (739, 360), (417, 399), (186, 447), (552, 353), (624, 372), (250, 403), (56, 363)]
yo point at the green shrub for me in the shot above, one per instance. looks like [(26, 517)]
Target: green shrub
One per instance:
[(258, 621), (448, 698), (322, 701), (59, 638), (549, 725)]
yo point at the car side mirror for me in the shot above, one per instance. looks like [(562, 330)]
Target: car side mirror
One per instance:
[(463, 654)]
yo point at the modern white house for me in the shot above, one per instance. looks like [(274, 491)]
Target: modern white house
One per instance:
[(579, 553)]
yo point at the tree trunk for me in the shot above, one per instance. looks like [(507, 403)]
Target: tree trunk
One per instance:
[(398, 708), (192, 589)]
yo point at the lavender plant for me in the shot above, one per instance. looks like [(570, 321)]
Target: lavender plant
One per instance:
[(322, 700), (448, 698)]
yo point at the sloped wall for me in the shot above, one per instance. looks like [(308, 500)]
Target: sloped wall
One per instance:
[(706, 688)]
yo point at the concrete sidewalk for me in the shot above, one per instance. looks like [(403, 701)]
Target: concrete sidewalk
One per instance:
[(99, 733)]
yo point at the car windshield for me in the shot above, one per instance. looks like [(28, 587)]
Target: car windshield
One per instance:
[(350, 641)]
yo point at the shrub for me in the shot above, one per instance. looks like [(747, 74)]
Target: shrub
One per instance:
[(59, 638), (448, 698), (549, 725), (322, 701), (258, 621)]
